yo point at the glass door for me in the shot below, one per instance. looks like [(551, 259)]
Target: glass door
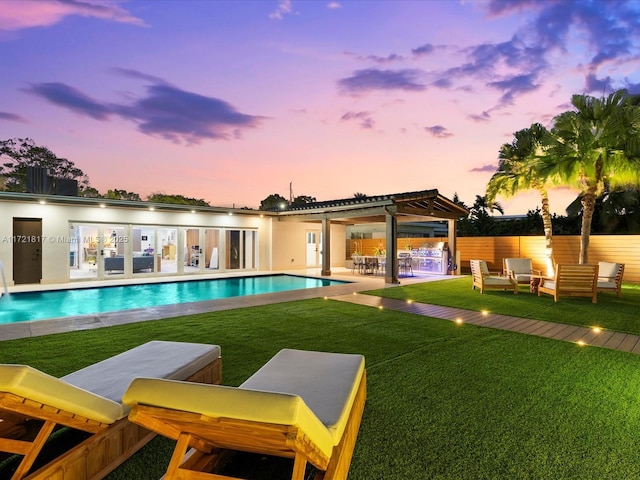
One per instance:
[(110, 249), (192, 251), (212, 249)]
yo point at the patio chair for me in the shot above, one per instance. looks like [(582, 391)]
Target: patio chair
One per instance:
[(302, 405), (405, 264), (485, 280), (610, 277), (33, 404), (571, 281), (520, 269)]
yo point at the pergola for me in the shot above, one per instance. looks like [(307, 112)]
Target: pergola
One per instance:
[(425, 205)]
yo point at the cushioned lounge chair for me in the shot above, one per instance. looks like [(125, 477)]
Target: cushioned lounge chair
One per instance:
[(485, 280), (610, 277), (89, 400), (301, 405), (571, 281)]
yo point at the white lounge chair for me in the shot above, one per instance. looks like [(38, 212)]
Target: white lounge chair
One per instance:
[(610, 277), (484, 279)]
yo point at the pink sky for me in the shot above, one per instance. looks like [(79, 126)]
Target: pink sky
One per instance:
[(231, 101)]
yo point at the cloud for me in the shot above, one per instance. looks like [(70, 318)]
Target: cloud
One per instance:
[(136, 75), (485, 168), (438, 131), (165, 111), (514, 85), (365, 119), (284, 8), (12, 117), (425, 49), (593, 84), (608, 29), (632, 88), (392, 57), (19, 14), (483, 117), (333, 5), (375, 79), (72, 99), (179, 115)]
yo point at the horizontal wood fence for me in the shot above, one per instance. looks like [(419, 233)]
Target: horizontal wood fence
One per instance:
[(566, 249)]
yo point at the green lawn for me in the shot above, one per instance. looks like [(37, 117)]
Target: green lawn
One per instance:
[(611, 312), (445, 401)]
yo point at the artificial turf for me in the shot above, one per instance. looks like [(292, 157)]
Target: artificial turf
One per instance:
[(445, 401), (611, 312)]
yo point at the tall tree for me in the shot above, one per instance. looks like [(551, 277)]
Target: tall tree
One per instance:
[(19, 153), (517, 172), (274, 202), (598, 141)]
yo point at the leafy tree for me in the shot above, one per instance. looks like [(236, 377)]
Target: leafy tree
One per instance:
[(176, 199), (19, 153), (599, 141), (89, 192), (274, 202), (517, 172), (116, 194), (302, 199)]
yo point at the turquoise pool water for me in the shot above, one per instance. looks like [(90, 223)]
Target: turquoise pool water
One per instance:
[(22, 307)]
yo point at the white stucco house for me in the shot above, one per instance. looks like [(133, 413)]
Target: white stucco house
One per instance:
[(47, 239)]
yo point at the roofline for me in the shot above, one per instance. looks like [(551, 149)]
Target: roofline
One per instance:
[(126, 204)]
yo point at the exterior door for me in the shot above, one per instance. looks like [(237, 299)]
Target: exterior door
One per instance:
[(27, 250), (314, 248)]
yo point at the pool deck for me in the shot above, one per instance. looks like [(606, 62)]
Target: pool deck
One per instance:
[(346, 292), (36, 328)]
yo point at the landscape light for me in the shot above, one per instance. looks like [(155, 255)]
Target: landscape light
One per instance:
[(596, 329)]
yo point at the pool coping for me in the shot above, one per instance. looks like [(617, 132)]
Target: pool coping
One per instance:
[(35, 328)]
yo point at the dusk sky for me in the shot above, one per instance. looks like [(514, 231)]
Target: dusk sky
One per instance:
[(231, 101)]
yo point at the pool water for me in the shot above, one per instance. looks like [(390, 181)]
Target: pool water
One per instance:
[(22, 307)]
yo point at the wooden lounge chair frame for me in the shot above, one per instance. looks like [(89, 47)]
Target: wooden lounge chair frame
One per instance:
[(213, 440), (482, 278), (572, 281), (109, 445), (206, 441)]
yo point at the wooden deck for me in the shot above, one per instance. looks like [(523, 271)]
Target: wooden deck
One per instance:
[(624, 342)]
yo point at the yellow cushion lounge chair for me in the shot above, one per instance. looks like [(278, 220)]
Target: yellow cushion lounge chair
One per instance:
[(302, 405), (89, 400)]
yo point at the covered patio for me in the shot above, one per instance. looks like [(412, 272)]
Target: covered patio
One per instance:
[(421, 206)]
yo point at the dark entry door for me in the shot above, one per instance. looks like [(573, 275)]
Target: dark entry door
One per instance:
[(27, 250)]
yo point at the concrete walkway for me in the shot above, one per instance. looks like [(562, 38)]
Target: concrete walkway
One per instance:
[(558, 331)]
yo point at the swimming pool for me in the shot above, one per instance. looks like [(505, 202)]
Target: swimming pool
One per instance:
[(23, 307)]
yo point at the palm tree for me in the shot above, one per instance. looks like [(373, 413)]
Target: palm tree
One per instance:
[(598, 141), (517, 172)]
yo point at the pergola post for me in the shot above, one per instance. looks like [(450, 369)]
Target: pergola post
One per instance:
[(453, 247), (391, 267), (326, 247)]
